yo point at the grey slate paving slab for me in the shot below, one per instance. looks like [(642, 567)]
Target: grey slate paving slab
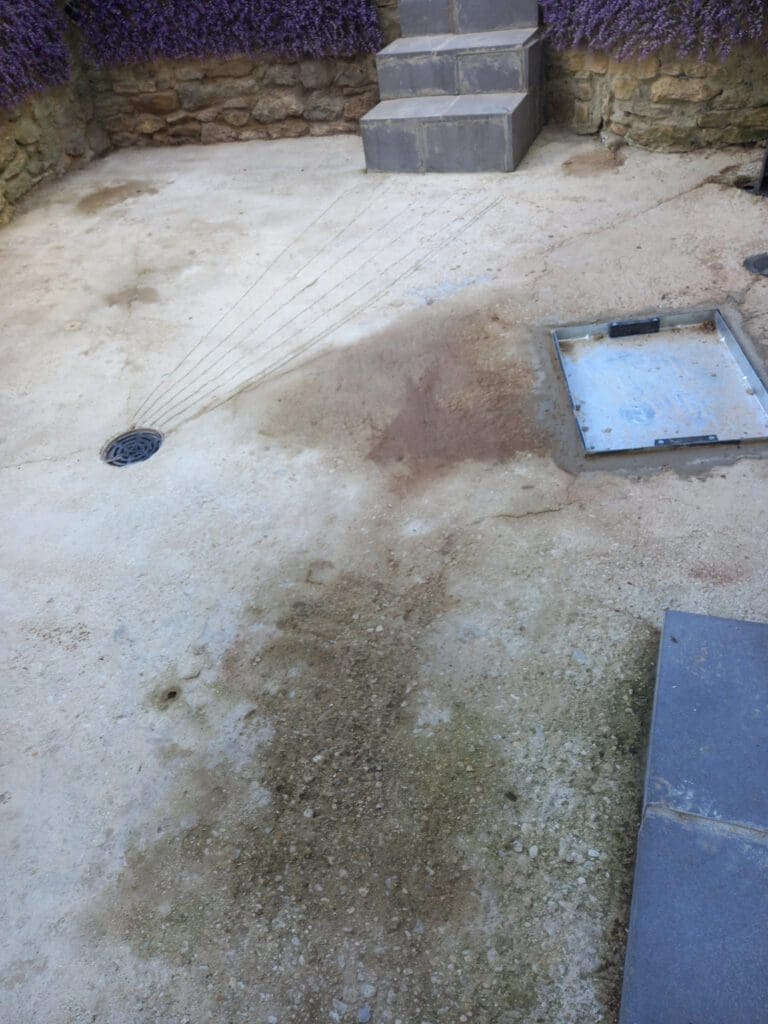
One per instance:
[(698, 939), (697, 950), (420, 17), (486, 15), (392, 146), (490, 72), (417, 76), (470, 143), (498, 40), (708, 752), (484, 62), (488, 132)]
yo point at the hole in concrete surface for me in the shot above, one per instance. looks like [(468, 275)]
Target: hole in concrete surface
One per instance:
[(131, 447), (172, 695), (757, 264), (670, 381)]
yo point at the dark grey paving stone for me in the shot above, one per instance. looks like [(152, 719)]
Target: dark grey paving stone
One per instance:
[(474, 144), (708, 752), (479, 62), (490, 72), (417, 76), (424, 17), (416, 45), (391, 146), (697, 951), (418, 108), (486, 15), (486, 104), (502, 39)]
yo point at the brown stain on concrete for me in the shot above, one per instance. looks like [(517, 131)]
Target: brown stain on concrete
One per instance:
[(598, 161), (337, 862), (422, 397), (719, 574), (128, 296), (113, 195)]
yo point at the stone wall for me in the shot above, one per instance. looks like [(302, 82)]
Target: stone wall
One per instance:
[(172, 102), (46, 136), (663, 102)]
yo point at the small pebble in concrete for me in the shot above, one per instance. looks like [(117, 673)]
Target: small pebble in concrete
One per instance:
[(364, 1014)]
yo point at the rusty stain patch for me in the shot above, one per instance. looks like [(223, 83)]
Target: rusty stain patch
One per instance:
[(423, 396), (598, 161), (128, 296), (113, 195), (720, 574)]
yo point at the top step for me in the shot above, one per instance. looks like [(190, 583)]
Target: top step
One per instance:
[(431, 17)]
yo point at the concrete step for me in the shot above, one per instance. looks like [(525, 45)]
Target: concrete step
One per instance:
[(480, 132), (424, 17), (508, 60)]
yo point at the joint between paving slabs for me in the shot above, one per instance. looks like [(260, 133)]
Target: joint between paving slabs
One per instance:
[(725, 828)]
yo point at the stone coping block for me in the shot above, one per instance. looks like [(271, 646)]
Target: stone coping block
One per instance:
[(698, 943), (420, 17), (708, 752), (697, 950)]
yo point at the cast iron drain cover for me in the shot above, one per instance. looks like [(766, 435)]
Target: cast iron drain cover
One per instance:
[(757, 264), (135, 446)]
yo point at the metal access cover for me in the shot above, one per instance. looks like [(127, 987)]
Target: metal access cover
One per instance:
[(661, 382)]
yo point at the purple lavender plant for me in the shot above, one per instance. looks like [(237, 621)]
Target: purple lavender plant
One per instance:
[(33, 52), (123, 31), (640, 27)]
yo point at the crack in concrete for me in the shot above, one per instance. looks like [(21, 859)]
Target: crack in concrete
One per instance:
[(739, 298), (550, 250), (532, 513), (48, 458)]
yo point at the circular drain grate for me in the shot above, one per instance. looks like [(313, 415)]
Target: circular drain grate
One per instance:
[(135, 446)]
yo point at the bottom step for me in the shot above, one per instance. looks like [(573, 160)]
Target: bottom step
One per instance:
[(481, 132)]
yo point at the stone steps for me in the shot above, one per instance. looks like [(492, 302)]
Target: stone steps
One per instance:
[(506, 60), (461, 91)]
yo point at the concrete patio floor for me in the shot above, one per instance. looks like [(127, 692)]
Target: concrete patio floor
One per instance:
[(335, 709)]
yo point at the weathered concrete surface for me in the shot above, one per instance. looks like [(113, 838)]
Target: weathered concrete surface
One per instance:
[(335, 709)]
